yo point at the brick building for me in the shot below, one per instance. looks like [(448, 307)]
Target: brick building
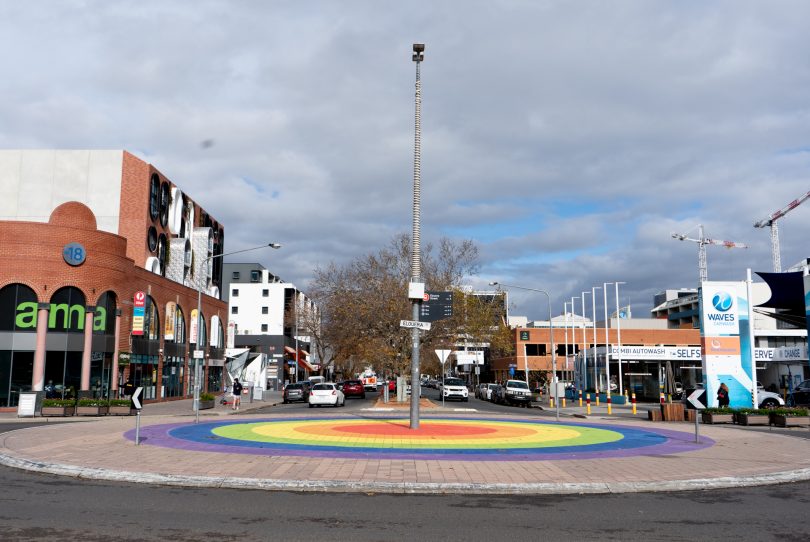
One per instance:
[(82, 234)]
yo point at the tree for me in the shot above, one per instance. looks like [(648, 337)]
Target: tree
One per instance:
[(362, 302)]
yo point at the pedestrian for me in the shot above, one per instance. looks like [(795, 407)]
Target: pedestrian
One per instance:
[(129, 388), (237, 393), (722, 395)]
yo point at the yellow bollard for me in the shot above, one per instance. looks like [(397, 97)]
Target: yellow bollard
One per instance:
[(610, 410), (551, 402), (563, 402), (597, 398), (634, 403), (588, 404), (580, 397)]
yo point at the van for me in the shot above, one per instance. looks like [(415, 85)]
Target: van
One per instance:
[(317, 380)]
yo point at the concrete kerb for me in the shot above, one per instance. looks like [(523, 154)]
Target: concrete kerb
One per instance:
[(333, 486)]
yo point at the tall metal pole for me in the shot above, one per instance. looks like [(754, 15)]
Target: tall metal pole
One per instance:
[(584, 341), (201, 321), (593, 312), (580, 384), (565, 311), (416, 261), (619, 336), (607, 337)]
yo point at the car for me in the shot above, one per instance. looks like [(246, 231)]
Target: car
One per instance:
[(488, 391), (496, 394), (294, 391), (768, 399), (801, 393), (326, 394), (353, 388), (480, 391), (455, 388), (517, 392)]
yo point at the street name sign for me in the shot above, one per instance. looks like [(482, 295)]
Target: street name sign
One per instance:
[(414, 324)]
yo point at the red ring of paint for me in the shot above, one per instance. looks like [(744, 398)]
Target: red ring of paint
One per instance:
[(425, 430)]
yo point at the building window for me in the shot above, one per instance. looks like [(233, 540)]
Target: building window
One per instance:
[(264, 327), (264, 310), (234, 310), (235, 292), (265, 293), (254, 276), (235, 275)]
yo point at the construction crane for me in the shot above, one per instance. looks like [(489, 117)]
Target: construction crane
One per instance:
[(771, 221), (702, 242)]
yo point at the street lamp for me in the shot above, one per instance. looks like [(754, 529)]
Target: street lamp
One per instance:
[(551, 331), (577, 373), (619, 334), (593, 312), (200, 322), (584, 341), (416, 253)]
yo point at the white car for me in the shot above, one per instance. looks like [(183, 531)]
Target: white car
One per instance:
[(455, 388), (326, 394), (768, 399)]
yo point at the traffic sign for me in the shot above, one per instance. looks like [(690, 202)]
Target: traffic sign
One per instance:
[(136, 398), (414, 324), (694, 398), (436, 306), (442, 355)]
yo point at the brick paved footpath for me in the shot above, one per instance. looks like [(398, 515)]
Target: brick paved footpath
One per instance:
[(97, 449)]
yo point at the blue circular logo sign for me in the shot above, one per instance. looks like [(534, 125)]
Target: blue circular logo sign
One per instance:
[(74, 253), (722, 301)]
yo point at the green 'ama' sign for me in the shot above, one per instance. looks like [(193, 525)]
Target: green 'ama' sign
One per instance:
[(524, 335)]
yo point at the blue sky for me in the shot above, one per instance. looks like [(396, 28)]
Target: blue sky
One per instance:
[(568, 139)]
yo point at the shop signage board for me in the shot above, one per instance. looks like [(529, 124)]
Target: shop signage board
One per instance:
[(725, 343), (138, 309)]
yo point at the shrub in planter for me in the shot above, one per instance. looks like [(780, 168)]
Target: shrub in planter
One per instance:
[(717, 415), (92, 407), (207, 400), (58, 407), (120, 407), (789, 416), (753, 416)]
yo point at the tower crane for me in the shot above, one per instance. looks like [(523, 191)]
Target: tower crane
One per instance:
[(771, 221), (702, 242)]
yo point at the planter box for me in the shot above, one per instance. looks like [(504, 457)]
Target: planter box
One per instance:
[(91, 410), (58, 411), (672, 412), (753, 419), (712, 417), (204, 405), (654, 415), (120, 410), (784, 421)]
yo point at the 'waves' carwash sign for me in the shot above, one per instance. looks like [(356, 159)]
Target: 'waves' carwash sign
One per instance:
[(725, 342)]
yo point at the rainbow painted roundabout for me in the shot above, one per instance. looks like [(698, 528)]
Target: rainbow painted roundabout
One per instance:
[(438, 438)]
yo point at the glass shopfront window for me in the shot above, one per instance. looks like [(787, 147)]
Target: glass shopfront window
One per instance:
[(174, 357), (18, 314)]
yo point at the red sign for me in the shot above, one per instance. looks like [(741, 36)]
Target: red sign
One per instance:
[(426, 297), (140, 299)]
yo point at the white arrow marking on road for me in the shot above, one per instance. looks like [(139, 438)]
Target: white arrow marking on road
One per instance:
[(136, 398), (693, 398)]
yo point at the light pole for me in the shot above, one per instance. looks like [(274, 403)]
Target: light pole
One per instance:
[(551, 332), (416, 254), (607, 338), (565, 312), (619, 334), (200, 322), (574, 340), (593, 313), (584, 341)]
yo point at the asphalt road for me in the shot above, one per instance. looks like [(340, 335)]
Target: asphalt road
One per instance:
[(42, 507)]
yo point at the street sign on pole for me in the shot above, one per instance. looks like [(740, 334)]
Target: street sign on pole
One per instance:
[(436, 306), (694, 399), (136, 398), (414, 324), (443, 354)]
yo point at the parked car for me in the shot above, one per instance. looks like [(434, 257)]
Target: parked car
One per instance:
[(496, 394), (294, 392), (801, 393), (326, 394), (480, 391), (768, 399), (488, 391), (517, 393), (455, 388), (354, 388)]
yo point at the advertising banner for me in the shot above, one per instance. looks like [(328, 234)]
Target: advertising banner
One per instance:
[(194, 324), (725, 342), (138, 310), (171, 310)]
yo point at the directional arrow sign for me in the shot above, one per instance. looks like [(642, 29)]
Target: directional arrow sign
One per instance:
[(414, 323), (443, 355), (136, 398), (693, 398)]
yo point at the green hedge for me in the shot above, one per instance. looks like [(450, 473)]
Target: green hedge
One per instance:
[(89, 402), (790, 412), (58, 402), (207, 397), (120, 402)]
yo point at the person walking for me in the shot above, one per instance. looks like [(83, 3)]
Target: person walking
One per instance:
[(722, 395), (237, 393)]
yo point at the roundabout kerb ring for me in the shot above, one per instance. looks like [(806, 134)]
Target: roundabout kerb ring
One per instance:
[(438, 438)]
